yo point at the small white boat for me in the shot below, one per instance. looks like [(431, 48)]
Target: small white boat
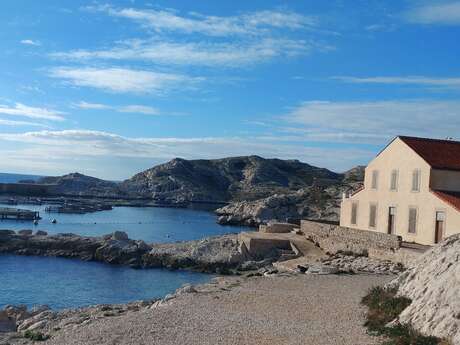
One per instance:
[(54, 221)]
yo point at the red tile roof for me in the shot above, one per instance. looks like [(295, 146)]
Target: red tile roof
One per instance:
[(439, 154), (452, 198)]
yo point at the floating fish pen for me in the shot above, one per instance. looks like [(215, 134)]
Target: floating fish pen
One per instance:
[(18, 214)]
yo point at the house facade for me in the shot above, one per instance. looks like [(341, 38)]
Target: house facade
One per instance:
[(411, 189)]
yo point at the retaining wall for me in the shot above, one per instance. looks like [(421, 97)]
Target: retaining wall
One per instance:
[(334, 238)]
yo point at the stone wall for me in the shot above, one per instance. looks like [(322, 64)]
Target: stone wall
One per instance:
[(334, 238), (277, 228)]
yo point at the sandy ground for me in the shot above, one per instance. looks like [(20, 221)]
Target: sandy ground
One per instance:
[(301, 309)]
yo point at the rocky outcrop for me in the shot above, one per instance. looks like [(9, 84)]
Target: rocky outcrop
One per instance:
[(222, 180), (77, 184), (214, 254), (433, 285), (315, 202)]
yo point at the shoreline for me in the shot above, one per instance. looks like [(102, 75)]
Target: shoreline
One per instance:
[(237, 309)]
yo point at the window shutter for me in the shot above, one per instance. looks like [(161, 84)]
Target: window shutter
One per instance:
[(412, 220), (394, 180), (416, 181), (372, 216), (354, 213)]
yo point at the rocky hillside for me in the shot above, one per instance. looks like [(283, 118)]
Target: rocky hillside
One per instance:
[(227, 179), (433, 285), (79, 184), (312, 202)]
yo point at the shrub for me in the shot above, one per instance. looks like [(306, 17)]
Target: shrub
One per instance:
[(384, 307), (35, 336)]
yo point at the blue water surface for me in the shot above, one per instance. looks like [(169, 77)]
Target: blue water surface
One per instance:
[(151, 224), (65, 283)]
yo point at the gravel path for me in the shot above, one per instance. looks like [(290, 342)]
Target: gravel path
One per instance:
[(302, 309)]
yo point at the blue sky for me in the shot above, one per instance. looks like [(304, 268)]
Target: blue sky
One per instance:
[(113, 87)]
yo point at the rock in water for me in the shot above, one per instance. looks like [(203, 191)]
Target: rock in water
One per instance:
[(433, 285)]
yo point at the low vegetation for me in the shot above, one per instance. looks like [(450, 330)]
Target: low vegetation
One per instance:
[(384, 307), (35, 336)]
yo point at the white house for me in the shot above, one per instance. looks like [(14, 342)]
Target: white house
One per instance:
[(411, 189)]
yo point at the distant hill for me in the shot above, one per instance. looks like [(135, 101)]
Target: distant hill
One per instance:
[(79, 184), (15, 178), (226, 179)]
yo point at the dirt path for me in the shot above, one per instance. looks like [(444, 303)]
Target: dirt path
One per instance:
[(302, 309)]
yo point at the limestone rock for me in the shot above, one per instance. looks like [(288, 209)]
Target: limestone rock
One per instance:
[(433, 285)]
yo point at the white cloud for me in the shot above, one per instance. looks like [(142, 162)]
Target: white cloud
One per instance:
[(96, 106), (13, 123), (122, 79), (245, 24), (411, 80), (445, 12), (232, 54), (133, 109), (32, 112), (375, 122), (77, 147), (30, 42)]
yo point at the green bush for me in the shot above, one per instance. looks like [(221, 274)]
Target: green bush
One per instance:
[(35, 336), (384, 307)]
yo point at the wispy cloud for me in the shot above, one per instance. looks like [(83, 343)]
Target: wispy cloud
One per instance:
[(443, 12), (91, 146), (255, 23), (374, 122), (13, 123), (230, 54), (30, 42), (133, 109), (123, 80), (20, 109), (411, 80), (203, 40)]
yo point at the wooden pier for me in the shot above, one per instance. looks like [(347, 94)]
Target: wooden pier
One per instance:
[(18, 214)]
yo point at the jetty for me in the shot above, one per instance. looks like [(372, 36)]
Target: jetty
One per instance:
[(18, 214)]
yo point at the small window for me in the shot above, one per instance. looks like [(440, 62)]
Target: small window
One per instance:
[(375, 179), (372, 215), (416, 181), (354, 213), (394, 180), (412, 220)]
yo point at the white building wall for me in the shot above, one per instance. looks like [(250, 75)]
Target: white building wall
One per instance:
[(399, 156)]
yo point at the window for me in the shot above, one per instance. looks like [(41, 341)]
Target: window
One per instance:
[(375, 179), (372, 215), (394, 180), (354, 213), (412, 220), (416, 181)]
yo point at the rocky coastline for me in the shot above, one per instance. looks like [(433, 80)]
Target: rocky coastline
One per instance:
[(219, 254)]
